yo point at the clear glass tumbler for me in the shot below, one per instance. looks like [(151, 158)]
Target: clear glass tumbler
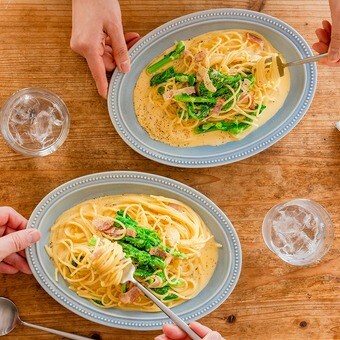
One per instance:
[(300, 231), (34, 122)]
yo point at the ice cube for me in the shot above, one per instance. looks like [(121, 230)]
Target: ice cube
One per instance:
[(41, 128)]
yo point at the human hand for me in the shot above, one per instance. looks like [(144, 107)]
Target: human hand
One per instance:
[(14, 238), (329, 36), (97, 35), (172, 332)]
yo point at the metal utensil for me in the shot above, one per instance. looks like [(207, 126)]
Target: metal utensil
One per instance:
[(281, 65), (9, 318), (128, 276)]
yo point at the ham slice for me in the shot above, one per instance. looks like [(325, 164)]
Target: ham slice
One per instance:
[(219, 104), (102, 225), (200, 56), (130, 296), (130, 232), (167, 95), (255, 39), (158, 252), (114, 232)]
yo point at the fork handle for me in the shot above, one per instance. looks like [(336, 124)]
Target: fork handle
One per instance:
[(177, 320), (307, 60)]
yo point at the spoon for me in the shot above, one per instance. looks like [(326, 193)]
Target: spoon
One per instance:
[(128, 276), (281, 65), (9, 318)]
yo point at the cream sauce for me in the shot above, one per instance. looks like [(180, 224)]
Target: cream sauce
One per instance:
[(161, 127)]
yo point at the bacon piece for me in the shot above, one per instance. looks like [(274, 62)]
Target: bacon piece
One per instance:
[(131, 232), (200, 56), (158, 252), (255, 39), (102, 225), (167, 95), (114, 232), (130, 296), (219, 104)]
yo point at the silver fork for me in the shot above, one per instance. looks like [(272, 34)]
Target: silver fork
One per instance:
[(281, 65), (128, 276)]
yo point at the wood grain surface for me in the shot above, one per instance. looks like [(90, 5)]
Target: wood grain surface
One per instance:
[(272, 300)]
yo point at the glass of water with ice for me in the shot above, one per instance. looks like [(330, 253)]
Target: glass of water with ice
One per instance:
[(34, 122), (300, 231)]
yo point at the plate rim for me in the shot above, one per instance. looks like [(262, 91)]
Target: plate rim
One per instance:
[(231, 156), (52, 288)]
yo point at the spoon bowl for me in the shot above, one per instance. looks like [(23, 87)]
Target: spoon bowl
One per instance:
[(9, 318)]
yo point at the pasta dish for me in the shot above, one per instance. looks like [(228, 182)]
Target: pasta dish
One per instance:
[(172, 249), (211, 89)]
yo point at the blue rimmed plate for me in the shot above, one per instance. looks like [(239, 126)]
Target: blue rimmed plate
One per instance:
[(121, 182), (282, 37)]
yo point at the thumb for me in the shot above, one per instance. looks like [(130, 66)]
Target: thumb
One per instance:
[(213, 336), (19, 240)]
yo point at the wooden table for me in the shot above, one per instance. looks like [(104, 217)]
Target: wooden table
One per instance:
[(272, 299)]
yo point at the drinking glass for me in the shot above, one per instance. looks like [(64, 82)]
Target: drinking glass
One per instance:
[(34, 122), (300, 231)]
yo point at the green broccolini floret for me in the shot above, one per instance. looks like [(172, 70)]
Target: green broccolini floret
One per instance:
[(145, 238), (175, 54), (185, 78), (233, 127), (185, 98), (141, 257), (163, 77), (170, 297)]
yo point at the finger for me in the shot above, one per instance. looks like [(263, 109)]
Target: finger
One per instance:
[(200, 329), (109, 63), (131, 36), (18, 262), (120, 51), (97, 68), (22, 253), (213, 336), (127, 36), (320, 47), (17, 241), (132, 42), (174, 333), (7, 269), (327, 26), (334, 47), (323, 36), (9, 217)]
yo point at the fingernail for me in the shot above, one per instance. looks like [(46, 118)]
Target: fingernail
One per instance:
[(33, 235), (334, 55), (125, 66), (213, 336)]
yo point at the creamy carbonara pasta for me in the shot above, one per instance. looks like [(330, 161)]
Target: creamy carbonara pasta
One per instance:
[(173, 251)]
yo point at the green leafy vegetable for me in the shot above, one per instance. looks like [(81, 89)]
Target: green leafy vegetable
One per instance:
[(124, 287), (185, 78), (92, 241), (175, 54), (162, 290), (161, 90), (233, 127), (185, 98), (163, 77), (171, 297), (98, 302)]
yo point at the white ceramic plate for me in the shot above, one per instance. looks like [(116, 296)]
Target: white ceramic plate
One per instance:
[(119, 182), (283, 37)]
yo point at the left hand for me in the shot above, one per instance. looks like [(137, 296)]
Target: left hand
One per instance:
[(14, 238), (329, 37)]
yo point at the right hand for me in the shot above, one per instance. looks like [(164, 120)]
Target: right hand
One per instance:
[(97, 35), (14, 238), (329, 37), (172, 332)]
